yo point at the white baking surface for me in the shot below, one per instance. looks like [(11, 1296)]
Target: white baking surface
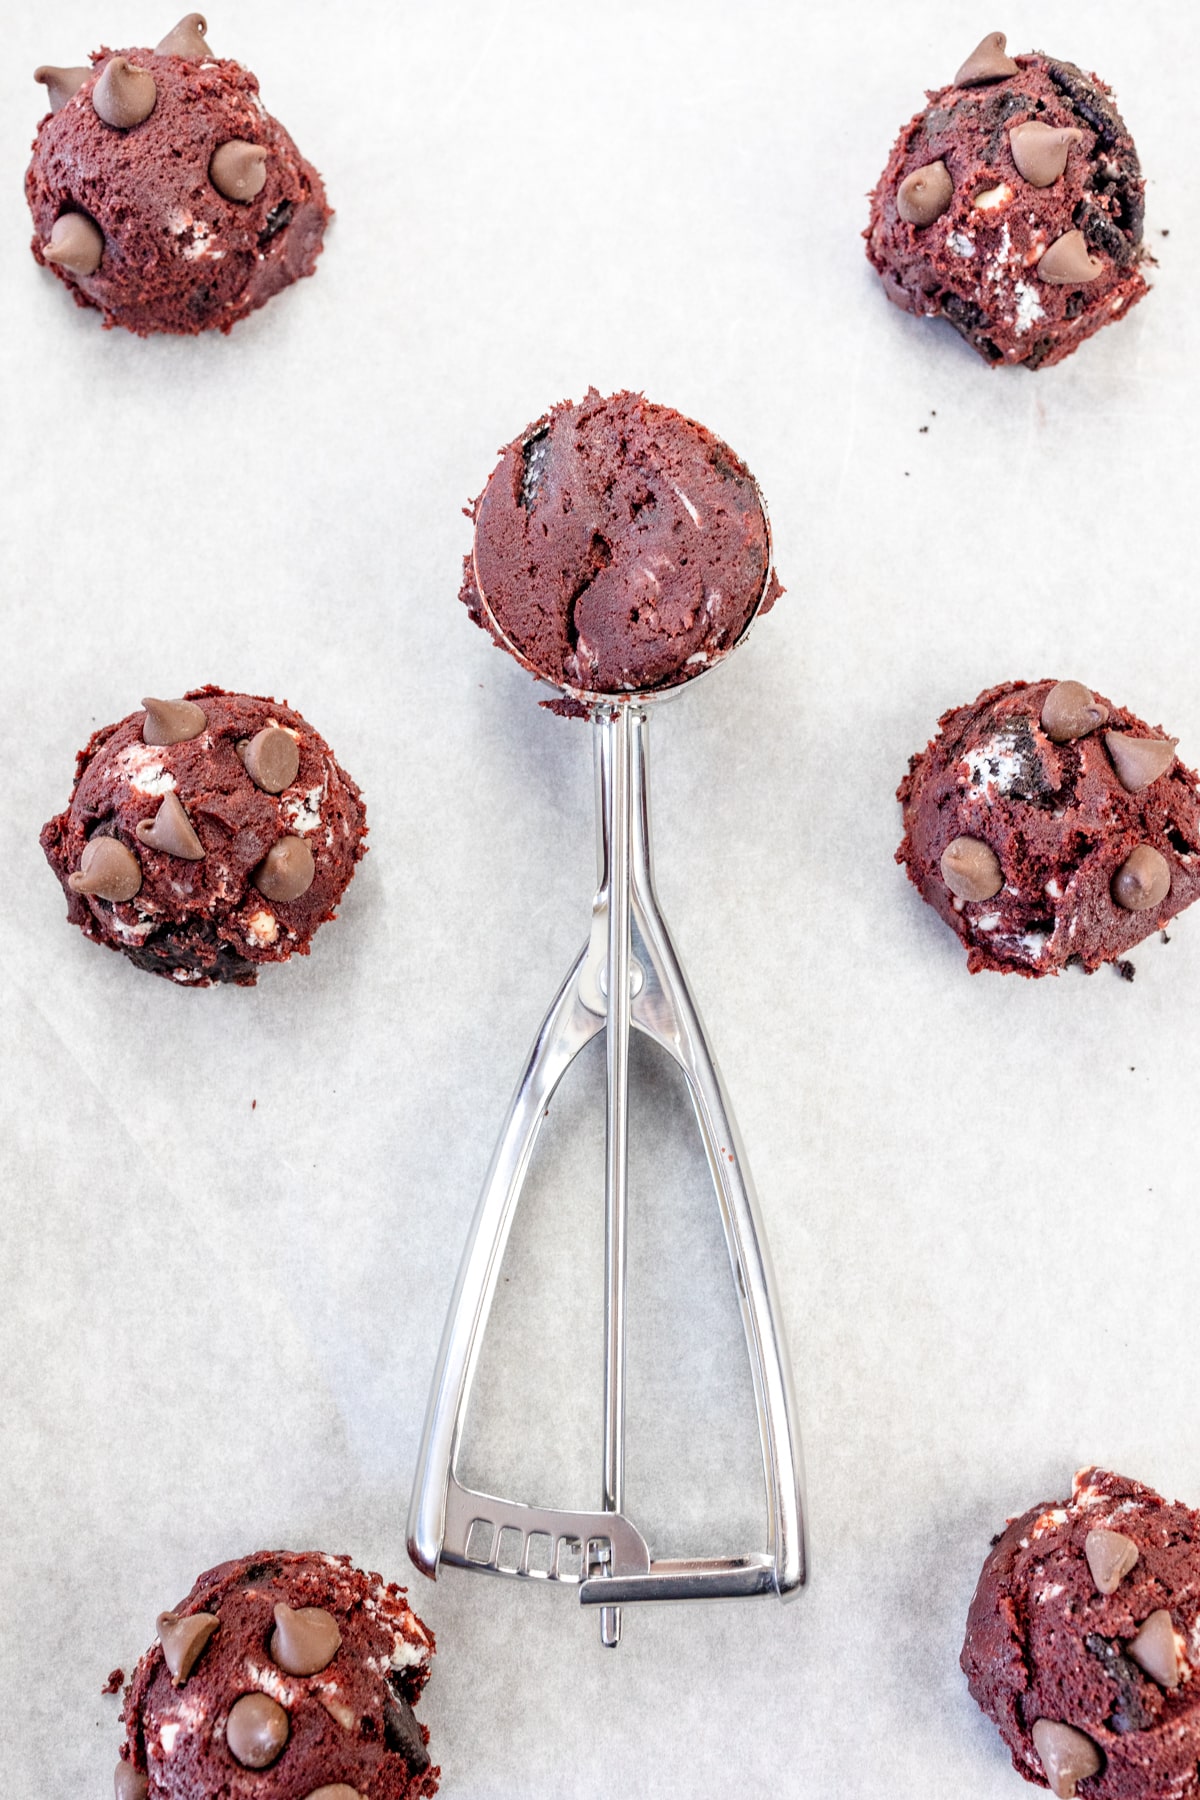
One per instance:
[(218, 1319)]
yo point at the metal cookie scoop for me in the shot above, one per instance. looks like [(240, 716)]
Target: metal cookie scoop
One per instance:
[(628, 973)]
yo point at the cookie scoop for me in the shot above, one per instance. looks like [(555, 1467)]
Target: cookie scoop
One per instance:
[(620, 552)]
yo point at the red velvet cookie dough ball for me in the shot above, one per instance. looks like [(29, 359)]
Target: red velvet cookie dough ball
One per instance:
[(164, 194), (1012, 206), (619, 548), (1048, 826), (207, 836), (288, 1675), (1083, 1642)]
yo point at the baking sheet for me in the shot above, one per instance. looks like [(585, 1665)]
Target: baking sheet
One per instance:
[(232, 1219)]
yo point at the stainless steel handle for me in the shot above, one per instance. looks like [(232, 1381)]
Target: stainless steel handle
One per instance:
[(628, 973)]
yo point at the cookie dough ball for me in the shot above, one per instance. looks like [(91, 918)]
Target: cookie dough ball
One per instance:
[(619, 548), (206, 836), (1048, 826), (1012, 206), (288, 1675), (1083, 1642), (164, 194)]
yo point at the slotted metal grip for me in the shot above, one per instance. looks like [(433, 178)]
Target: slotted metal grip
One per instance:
[(627, 973)]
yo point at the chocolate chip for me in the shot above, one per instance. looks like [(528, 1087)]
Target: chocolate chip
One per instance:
[(75, 243), (1143, 881), (1070, 711), (272, 759), (256, 1730), (172, 721), (1067, 262), (1040, 151), (987, 62), (1067, 1756), (402, 1734), (183, 1639), (1110, 1556), (339, 1791), (971, 869), (128, 1784), (61, 85), (924, 195), (239, 170), (304, 1641), (1139, 761), (339, 1712), (108, 870), (170, 832), (1156, 1650), (186, 39), (287, 870), (124, 94)]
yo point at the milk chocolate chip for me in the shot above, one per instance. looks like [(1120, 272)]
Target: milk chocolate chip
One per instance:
[(170, 831), (1069, 711), (128, 1784), (339, 1712), (124, 95), (75, 243), (256, 1730), (108, 870), (924, 195), (272, 759), (172, 722), (987, 62), (1143, 880), (1156, 1650), (1068, 262), (61, 85), (304, 1641), (1068, 1756), (186, 39), (971, 869), (286, 871), (239, 170), (1040, 151), (1139, 761), (183, 1639), (1110, 1556)]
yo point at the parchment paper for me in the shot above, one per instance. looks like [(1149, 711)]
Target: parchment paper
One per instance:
[(232, 1219)]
